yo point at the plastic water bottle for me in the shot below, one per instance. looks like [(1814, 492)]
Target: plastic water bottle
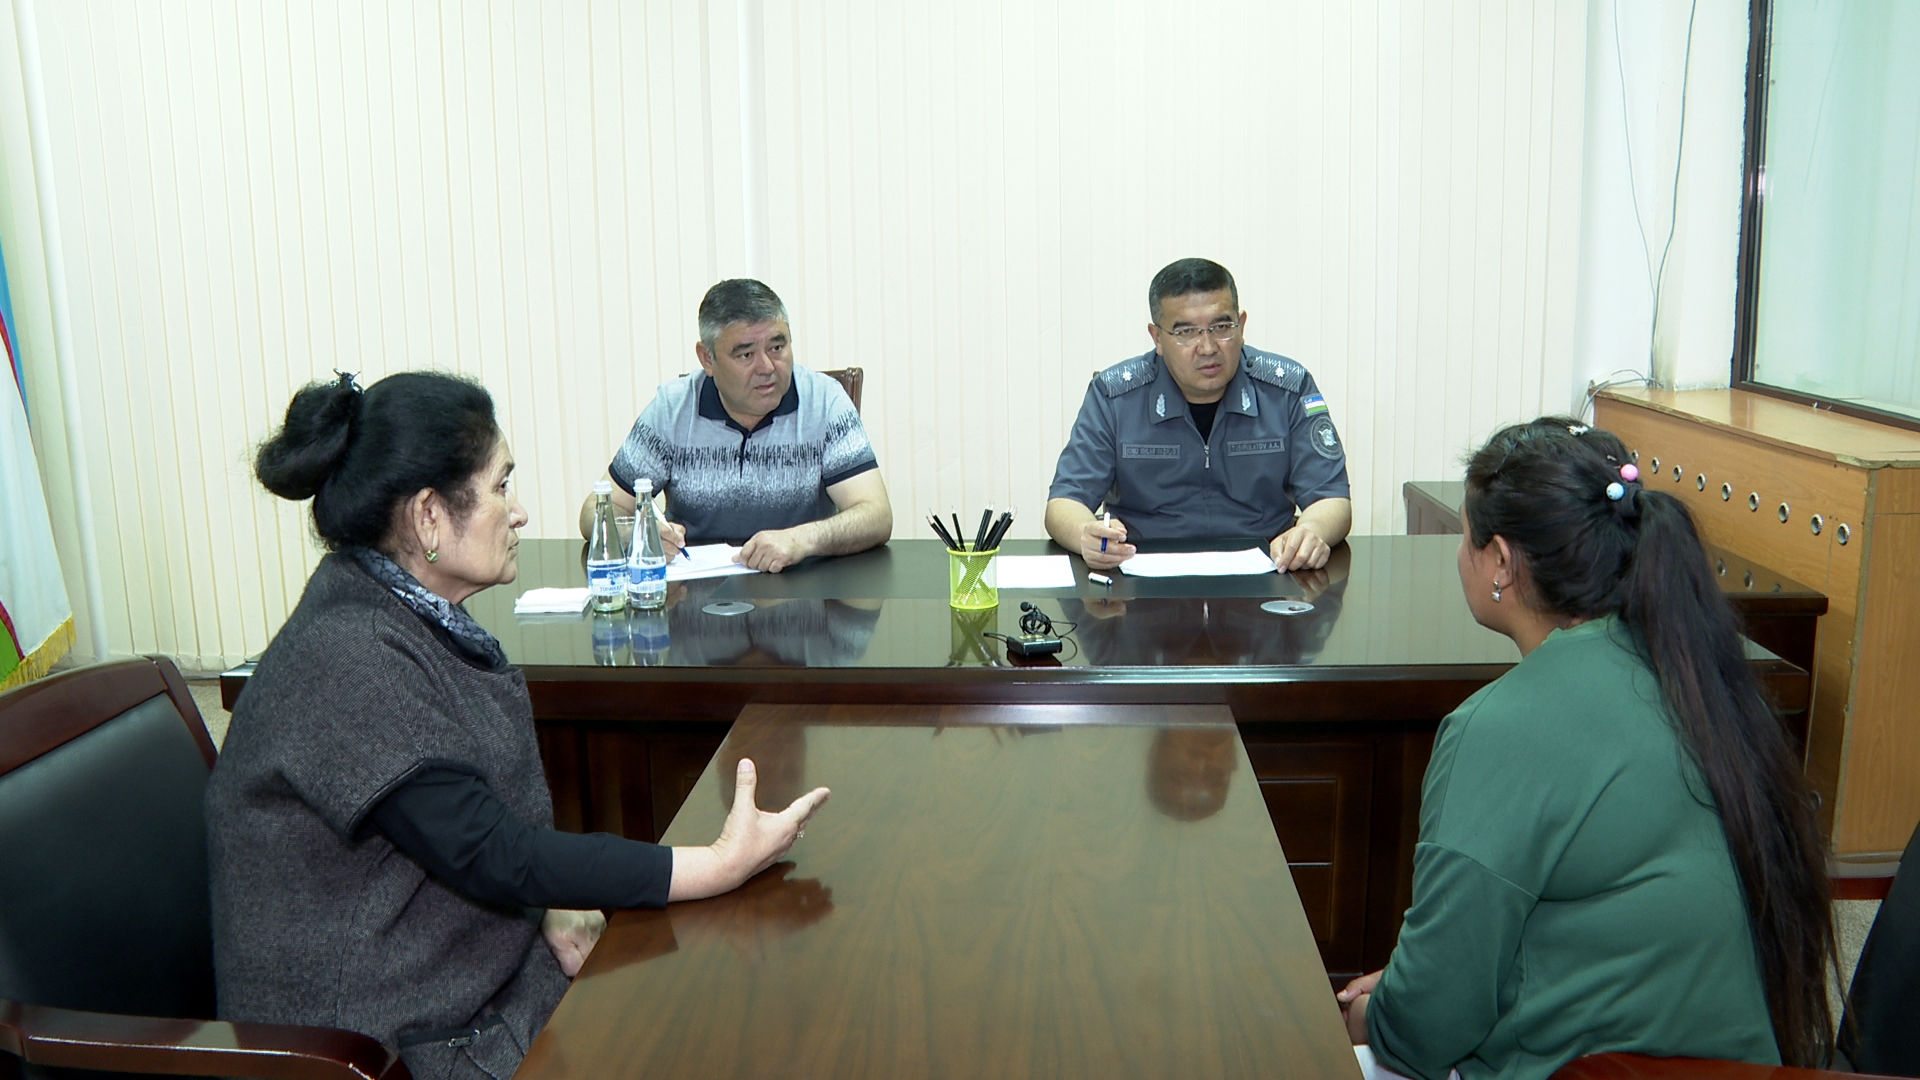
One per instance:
[(647, 570), (606, 556)]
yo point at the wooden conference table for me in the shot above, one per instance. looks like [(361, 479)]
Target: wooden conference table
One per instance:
[(1336, 708), (990, 893)]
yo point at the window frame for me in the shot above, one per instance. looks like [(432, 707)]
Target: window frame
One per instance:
[(1752, 200)]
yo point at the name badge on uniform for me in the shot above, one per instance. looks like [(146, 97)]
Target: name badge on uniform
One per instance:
[(1149, 450), (1256, 446)]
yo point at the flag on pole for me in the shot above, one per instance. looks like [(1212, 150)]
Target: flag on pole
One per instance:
[(36, 620)]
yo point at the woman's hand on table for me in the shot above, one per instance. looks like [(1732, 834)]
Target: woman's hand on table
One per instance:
[(571, 935), (752, 840)]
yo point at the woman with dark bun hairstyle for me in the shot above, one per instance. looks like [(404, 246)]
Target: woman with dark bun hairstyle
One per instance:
[(1617, 851), (380, 834)]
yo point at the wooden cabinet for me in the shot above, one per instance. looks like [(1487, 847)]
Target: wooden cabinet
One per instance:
[(1832, 501)]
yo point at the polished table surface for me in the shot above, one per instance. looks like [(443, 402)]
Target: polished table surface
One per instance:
[(993, 891)]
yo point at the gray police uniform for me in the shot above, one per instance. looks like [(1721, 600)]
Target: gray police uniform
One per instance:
[(1135, 447)]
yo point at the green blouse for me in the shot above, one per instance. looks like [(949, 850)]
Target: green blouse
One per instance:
[(1572, 888)]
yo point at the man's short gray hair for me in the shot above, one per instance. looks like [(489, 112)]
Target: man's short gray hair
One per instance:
[(737, 300)]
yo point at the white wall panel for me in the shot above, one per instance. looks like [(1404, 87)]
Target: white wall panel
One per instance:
[(967, 200)]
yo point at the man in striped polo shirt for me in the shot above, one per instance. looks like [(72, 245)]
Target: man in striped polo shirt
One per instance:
[(754, 449)]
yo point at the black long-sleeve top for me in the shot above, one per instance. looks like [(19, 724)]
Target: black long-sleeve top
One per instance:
[(445, 818)]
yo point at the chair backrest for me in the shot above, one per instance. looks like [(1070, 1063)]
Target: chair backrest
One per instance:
[(1881, 1032), (103, 856), (852, 379)]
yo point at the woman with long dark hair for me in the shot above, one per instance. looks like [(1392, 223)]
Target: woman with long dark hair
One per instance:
[(1617, 850), (379, 831)]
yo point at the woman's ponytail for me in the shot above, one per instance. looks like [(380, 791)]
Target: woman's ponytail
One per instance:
[(1672, 602)]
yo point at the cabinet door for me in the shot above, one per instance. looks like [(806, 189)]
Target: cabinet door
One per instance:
[(1320, 796)]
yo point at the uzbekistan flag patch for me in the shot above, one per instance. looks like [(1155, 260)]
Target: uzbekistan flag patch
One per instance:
[(1315, 404)]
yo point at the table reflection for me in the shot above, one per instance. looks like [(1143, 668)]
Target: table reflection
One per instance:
[(1189, 769), (1208, 630), (771, 905), (776, 632)]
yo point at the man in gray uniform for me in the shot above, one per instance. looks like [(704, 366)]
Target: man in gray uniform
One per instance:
[(1202, 438), (754, 449)]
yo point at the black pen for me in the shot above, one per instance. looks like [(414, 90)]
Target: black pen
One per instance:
[(957, 531), (980, 534)]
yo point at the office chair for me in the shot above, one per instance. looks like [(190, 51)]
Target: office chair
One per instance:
[(106, 941), (1882, 1031)]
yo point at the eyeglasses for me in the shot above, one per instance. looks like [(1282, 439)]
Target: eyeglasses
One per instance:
[(1220, 331)]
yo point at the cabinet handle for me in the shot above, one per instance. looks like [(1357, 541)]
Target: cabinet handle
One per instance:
[(1843, 534), (1726, 492), (1656, 464), (1818, 523), (1783, 513), (1700, 482), (1676, 474), (1753, 500)]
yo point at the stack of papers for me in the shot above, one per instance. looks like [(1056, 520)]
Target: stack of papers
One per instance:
[(705, 561), (1199, 564), (551, 602), (1033, 571)]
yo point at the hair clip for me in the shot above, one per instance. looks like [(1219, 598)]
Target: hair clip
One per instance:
[(350, 378), (1616, 491), (1629, 472), (1578, 429)]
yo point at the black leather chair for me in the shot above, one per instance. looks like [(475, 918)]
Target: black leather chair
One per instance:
[(106, 949), (1881, 1033)]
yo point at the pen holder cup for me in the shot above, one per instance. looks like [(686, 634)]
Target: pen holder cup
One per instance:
[(972, 584)]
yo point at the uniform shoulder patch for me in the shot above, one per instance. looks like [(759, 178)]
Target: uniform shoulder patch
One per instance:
[(1277, 371), (1126, 375)]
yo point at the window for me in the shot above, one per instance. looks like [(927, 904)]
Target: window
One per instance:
[(1829, 307)]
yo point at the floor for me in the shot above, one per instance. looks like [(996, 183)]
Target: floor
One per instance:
[(1853, 918)]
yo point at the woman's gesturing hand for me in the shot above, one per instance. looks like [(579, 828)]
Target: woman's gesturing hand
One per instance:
[(751, 840)]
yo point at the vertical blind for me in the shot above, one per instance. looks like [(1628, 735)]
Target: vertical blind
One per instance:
[(965, 199)]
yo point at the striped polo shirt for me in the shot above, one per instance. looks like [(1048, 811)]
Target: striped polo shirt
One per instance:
[(725, 482)]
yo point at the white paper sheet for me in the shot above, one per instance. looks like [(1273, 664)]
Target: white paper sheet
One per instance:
[(705, 561), (1033, 571), (550, 602), (1199, 564)]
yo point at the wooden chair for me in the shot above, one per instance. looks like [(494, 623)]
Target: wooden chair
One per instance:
[(1642, 1067), (852, 379), (106, 944)]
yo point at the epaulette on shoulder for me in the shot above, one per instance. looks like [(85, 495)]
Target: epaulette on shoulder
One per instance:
[(1126, 375), (1277, 370)]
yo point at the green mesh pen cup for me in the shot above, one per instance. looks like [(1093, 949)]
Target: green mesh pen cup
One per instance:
[(971, 582)]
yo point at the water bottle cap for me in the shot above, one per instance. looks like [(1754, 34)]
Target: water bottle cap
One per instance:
[(603, 487), (642, 485)]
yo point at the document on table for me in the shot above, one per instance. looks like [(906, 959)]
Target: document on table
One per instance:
[(705, 561), (1199, 564), (1033, 571)]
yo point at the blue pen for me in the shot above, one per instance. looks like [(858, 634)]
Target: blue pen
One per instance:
[(1105, 519)]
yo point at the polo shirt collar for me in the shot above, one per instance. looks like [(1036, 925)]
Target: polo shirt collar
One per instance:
[(711, 407), (1239, 398)]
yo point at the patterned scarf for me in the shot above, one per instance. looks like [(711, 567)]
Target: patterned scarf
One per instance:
[(469, 637)]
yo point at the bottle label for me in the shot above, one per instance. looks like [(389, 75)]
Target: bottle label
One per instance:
[(639, 574), (606, 578)]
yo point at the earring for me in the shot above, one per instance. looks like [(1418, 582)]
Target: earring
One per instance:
[(1496, 591), (433, 555)]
